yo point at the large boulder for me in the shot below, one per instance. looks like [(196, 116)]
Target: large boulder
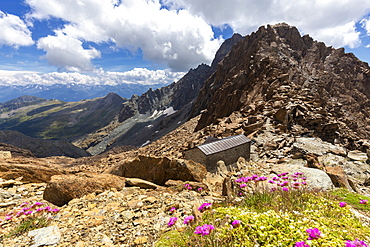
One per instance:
[(62, 189), (28, 173), (159, 170)]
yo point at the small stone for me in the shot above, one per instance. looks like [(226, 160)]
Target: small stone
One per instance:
[(141, 240), (80, 244), (7, 204), (45, 236), (357, 155)]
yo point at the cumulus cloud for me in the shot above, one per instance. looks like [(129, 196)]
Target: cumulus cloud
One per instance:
[(66, 52), (172, 37), (14, 31), (315, 17), (136, 76)]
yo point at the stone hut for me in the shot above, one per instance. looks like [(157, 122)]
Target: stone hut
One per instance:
[(228, 149)]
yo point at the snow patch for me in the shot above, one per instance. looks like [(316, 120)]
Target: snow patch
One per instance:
[(145, 143), (169, 111)]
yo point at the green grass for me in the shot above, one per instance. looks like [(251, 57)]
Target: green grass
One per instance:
[(28, 224), (351, 198)]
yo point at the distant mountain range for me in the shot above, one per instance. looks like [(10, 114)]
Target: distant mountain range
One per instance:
[(72, 92)]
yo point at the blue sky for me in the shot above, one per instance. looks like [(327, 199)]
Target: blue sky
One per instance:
[(147, 41)]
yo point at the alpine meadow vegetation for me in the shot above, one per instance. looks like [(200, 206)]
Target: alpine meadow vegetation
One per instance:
[(281, 211)]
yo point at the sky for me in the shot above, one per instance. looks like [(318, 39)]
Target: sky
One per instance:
[(153, 41)]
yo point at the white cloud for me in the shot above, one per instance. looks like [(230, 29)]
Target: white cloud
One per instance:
[(171, 37), (314, 17), (13, 31), (100, 77), (67, 52), (366, 24), (340, 35)]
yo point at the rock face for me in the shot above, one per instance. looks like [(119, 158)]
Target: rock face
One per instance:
[(298, 83), (29, 173), (61, 189), (159, 170)]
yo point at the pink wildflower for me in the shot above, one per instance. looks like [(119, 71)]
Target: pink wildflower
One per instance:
[(37, 204), (313, 233), (342, 204), (356, 243), (301, 244), (242, 185), (363, 201), (188, 219), (285, 189), (236, 223), (23, 204), (172, 209), (204, 207), (172, 221)]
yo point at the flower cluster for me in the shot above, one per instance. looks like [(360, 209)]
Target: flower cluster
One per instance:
[(27, 209), (314, 233), (282, 181), (204, 230)]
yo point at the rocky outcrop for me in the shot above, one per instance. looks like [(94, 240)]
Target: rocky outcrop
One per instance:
[(63, 188), (299, 84), (159, 170), (27, 172)]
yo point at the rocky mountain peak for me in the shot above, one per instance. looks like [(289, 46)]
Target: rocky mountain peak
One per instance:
[(277, 74)]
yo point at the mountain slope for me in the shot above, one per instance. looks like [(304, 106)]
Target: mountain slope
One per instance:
[(298, 81), (40, 147), (53, 119)]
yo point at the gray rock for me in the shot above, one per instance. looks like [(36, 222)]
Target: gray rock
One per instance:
[(357, 155), (45, 236), (315, 146)]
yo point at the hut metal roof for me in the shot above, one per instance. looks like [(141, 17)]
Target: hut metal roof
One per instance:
[(223, 144)]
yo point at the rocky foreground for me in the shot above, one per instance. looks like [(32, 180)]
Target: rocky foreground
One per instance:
[(102, 209)]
